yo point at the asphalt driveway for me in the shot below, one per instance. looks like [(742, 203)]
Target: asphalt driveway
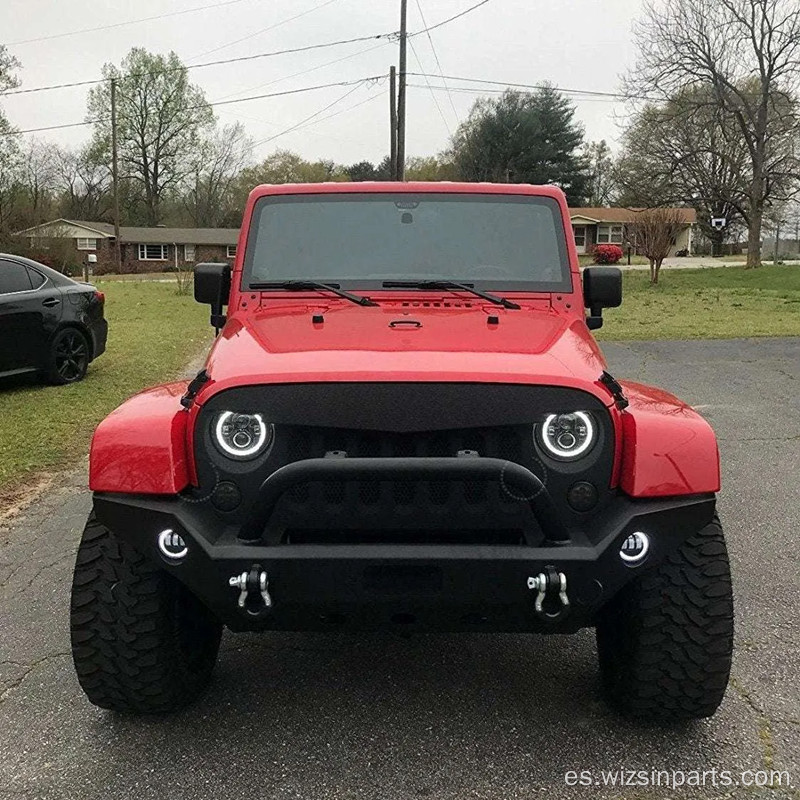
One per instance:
[(433, 716)]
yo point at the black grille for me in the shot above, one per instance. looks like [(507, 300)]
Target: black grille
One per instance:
[(382, 420), (507, 443)]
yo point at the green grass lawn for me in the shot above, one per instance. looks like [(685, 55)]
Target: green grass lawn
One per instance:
[(641, 261), (707, 303), (153, 334)]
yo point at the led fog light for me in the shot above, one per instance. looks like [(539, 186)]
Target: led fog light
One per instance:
[(635, 548), (172, 545)]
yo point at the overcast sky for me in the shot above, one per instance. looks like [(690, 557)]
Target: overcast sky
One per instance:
[(575, 44)]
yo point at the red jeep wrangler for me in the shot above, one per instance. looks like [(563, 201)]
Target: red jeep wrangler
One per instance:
[(404, 421)]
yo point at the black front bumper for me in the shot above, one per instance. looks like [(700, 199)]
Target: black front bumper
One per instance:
[(375, 585)]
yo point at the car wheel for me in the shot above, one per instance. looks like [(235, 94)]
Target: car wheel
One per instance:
[(665, 642), (141, 642), (69, 357)]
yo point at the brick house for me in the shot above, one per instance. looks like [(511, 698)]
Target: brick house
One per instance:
[(161, 249), (593, 226), (142, 249)]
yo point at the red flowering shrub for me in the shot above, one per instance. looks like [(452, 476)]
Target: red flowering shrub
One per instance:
[(607, 253)]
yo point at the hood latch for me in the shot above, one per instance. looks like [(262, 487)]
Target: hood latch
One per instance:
[(613, 386), (194, 387)]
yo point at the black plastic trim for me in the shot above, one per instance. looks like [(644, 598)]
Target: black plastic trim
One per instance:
[(517, 481)]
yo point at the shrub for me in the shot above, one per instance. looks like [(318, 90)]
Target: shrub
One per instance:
[(607, 253)]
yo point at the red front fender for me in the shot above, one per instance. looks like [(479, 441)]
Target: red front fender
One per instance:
[(667, 447), (141, 446)]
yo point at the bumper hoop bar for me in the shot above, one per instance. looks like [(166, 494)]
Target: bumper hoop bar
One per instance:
[(516, 481)]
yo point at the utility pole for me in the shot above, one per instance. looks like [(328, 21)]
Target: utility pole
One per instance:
[(401, 94), (392, 123), (115, 175)]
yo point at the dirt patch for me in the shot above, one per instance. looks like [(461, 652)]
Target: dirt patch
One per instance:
[(17, 498), (13, 501)]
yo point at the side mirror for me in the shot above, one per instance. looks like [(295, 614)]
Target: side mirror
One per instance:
[(212, 286), (602, 288)]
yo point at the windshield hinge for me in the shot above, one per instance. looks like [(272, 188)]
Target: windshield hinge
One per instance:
[(613, 386), (194, 387)]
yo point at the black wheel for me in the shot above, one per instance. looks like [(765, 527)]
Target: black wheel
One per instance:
[(665, 642), (141, 642), (69, 356)]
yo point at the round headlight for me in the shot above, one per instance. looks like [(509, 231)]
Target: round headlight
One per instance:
[(241, 436), (568, 436)]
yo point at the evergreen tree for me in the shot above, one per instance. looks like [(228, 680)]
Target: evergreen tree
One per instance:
[(523, 137)]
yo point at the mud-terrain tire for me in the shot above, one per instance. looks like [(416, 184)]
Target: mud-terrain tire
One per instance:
[(141, 642), (665, 642)]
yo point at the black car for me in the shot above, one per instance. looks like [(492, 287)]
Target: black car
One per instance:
[(49, 323)]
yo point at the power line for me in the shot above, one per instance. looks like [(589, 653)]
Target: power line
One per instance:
[(271, 124), (470, 90), (308, 124), (436, 57), (264, 30), (303, 90), (356, 82), (615, 95), (50, 128), (592, 95), (345, 110), (433, 94), (123, 24), (307, 119), (450, 19), (304, 49), (306, 71)]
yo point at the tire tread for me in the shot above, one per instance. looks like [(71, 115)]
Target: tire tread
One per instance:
[(665, 642), (125, 614)]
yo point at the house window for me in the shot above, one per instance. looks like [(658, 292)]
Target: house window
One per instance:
[(86, 244), (188, 252), (579, 231), (609, 234), (152, 252), (231, 251)]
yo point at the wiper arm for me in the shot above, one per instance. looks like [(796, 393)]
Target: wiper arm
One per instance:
[(439, 284), (301, 286)]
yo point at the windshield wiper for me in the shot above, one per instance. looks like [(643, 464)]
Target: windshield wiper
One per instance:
[(301, 286), (443, 284)]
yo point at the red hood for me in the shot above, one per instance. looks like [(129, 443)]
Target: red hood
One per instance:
[(280, 343)]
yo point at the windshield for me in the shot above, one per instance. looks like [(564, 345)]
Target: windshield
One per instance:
[(362, 240)]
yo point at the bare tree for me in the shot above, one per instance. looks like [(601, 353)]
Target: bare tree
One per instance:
[(38, 178), (747, 54), (686, 151), (161, 118), (655, 231), (209, 196), (602, 175), (10, 185), (83, 183), (9, 148)]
